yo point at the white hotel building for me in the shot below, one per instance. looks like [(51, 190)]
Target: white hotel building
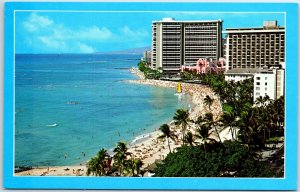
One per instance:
[(175, 43), (266, 81), (257, 53), (255, 47), (269, 82)]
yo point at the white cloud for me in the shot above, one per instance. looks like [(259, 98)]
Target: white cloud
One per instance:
[(57, 37), (127, 32), (85, 48), (94, 33), (52, 36), (52, 43), (61, 32), (34, 22)]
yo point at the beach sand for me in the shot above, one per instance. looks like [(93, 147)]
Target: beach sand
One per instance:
[(153, 149), (150, 149), (76, 170)]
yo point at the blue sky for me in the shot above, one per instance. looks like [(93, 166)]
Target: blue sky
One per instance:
[(89, 32)]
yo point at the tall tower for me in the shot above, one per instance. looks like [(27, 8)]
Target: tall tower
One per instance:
[(255, 47), (175, 43)]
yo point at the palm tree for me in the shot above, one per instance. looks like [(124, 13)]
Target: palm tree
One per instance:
[(137, 164), (133, 167), (228, 119), (209, 120), (266, 99), (248, 124), (204, 133), (200, 120), (189, 138), (259, 101), (181, 117), (97, 164), (230, 92), (208, 101), (220, 90), (120, 156), (278, 114), (167, 133), (264, 124)]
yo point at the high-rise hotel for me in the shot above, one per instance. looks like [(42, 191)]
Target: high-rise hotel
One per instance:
[(175, 43), (255, 47), (257, 53)]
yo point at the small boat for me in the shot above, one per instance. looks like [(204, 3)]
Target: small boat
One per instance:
[(52, 125), (179, 89), (72, 102)]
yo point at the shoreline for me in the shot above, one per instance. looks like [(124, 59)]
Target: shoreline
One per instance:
[(157, 150), (149, 149)]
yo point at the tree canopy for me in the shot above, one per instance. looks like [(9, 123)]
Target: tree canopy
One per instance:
[(230, 159)]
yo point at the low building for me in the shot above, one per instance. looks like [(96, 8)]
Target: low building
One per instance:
[(264, 84), (240, 74), (205, 66), (267, 81), (280, 83)]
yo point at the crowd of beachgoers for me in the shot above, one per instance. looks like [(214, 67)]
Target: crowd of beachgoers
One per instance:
[(149, 148), (153, 149)]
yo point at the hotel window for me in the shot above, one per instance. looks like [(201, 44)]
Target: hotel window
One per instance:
[(266, 78), (266, 88), (257, 83), (257, 94), (257, 78), (258, 88), (266, 83)]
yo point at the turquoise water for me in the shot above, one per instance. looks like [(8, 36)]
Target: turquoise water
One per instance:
[(70, 106)]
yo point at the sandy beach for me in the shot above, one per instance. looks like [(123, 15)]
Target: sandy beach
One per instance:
[(149, 148), (75, 170), (153, 149)]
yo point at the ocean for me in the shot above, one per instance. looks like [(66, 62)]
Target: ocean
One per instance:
[(68, 106)]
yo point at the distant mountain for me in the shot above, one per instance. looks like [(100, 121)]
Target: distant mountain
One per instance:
[(134, 51)]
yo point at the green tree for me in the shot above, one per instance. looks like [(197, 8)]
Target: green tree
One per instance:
[(96, 166), (248, 125), (167, 133), (189, 138), (259, 101), (228, 119), (230, 159), (209, 120), (142, 66), (133, 167), (204, 133), (181, 117), (208, 101), (120, 156)]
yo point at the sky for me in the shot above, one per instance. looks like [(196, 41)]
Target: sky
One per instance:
[(90, 32)]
